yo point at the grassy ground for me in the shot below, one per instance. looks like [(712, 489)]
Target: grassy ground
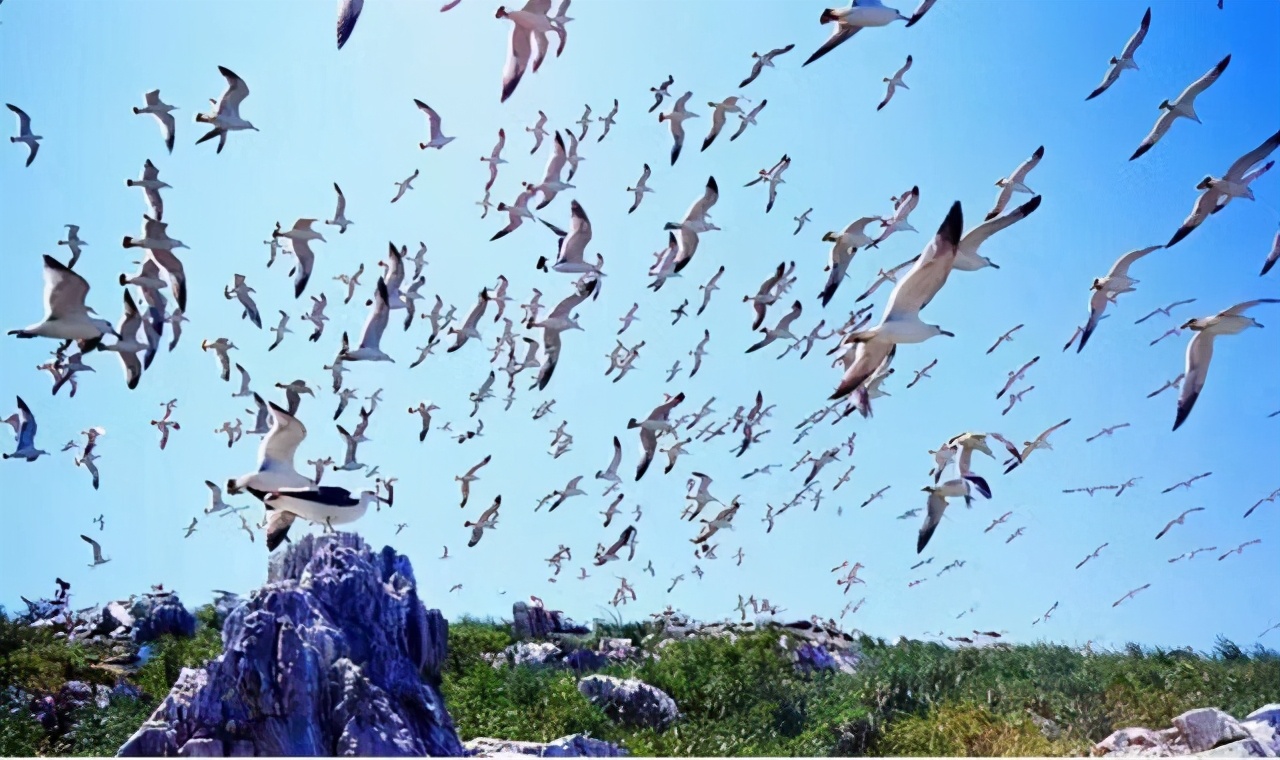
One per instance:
[(35, 664), (918, 698), (740, 698)]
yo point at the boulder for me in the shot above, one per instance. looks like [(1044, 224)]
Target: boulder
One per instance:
[(533, 653), (618, 650), (1263, 725), (334, 655), (1138, 742), (160, 615), (1241, 748), (574, 745), (537, 622), (630, 701), (1208, 727)]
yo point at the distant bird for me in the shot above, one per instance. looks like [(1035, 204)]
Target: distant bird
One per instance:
[(162, 111), (676, 117), (1179, 520), (73, 242), (1007, 337), (438, 139), (1015, 182), (640, 189), (97, 552), (1200, 350), (340, 219), (225, 116), (488, 520), (403, 187), (894, 83), (748, 119), (24, 133), (1174, 383), (1125, 59), (800, 220), (661, 92), (1240, 549), (1184, 105), (1131, 594), (1104, 289), (26, 427), (1186, 483), (1164, 310), (761, 61), (937, 504), (530, 26), (1272, 256)]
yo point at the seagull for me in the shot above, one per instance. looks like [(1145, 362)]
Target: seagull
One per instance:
[(607, 119), (761, 61), (97, 552), (403, 187), (1184, 105), (998, 521), (611, 473), (1094, 555), (1015, 182), (922, 373), (530, 25), (1016, 375), (748, 119), (24, 133), (1041, 442), (876, 495), (1272, 257), (275, 468), (161, 110), (517, 212), (627, 539), (1200, 350), (1177, 521), (709, 288), (967, 258), (800, 220), (1218, 192), (694, 222), (661, 92), (558, 321), (66, 316), (1104, 289), (26, 435), (895, 82), (584, 122), (1125, 60), (488, 520), (151, 187), (719, 114), (241, 290), (849, 21), (1165, 310), (339, 219), (677, 116), (327, 505), (901, 322), (937, 504), (127, 345), (1240, 549), (374, 326), (774, 178), (903, 206), (470, 476), (844, 245), (640, 189), (300, 237), (781, 330), (438, 140), (657, 422), (1186, 483), (1131, 594), (225, 116), (551, 183), (570, 489), (190, 528), (1006, 337)]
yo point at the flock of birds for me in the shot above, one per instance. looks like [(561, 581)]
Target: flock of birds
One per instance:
[(532, 338)]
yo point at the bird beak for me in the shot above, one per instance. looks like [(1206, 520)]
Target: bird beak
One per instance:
[(948, 334)]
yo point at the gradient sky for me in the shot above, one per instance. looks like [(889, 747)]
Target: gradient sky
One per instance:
[(991, 82)]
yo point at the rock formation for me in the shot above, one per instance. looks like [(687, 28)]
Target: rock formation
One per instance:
[(630, 701), (1208, 731), (574, 745), (335, 655)]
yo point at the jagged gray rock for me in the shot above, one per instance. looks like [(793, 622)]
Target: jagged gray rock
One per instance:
[(537, 622), (574, 745), (1264, 725), (630, 701), (1208, 727), (334, 655), (154, 616)]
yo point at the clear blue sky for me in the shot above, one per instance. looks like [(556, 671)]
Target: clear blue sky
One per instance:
[(991, 81)]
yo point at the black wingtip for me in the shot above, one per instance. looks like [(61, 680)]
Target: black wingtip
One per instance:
[(953, 225), (1031, 205)]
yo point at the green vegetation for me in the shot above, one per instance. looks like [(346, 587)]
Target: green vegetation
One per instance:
[(740, 697), (34, 664), (917, 698)]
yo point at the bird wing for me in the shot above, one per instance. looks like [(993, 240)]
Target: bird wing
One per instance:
[(234, 95), (1121, 267), (930, 271), (838, 36), (348, 14), (1199, 354), (1131, 46), (64, 290), (281, 442), (1203, 83), (519, 49), (378, 315), (937, 505), (978, 235)]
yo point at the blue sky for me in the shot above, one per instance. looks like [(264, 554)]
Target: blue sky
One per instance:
[(991, 82)]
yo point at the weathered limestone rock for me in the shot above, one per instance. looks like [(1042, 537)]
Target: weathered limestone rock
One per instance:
[(630, 701), (1208, 727), (334, 655)]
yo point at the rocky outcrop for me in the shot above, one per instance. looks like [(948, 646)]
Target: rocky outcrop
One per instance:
[(157, 615), (1207, 732), (630, 701), (335, 655), (574, 745), (537, 622)]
